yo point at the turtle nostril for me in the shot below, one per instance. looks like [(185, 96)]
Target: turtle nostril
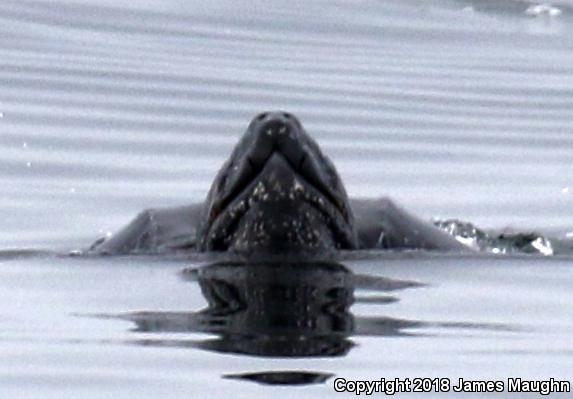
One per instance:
[(275, 127), (287, 115), (262, 116)]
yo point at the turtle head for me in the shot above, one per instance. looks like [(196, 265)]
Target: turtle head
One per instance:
[(277, 193)]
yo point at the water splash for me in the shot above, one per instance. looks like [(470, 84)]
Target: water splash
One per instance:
[(543, 10), (497, 243)]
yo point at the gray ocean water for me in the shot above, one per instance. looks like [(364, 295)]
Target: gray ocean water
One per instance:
[(455, 109)]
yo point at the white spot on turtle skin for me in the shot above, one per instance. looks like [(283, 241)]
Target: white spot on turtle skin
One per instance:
[(269, 131), (259, 189), (282, 130), (298, 185)]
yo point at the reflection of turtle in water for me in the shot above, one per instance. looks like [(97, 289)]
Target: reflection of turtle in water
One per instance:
[(285, 310), (278, 194), (279, 310)]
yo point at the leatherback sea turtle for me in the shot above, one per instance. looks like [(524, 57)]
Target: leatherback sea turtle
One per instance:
[(279, 194)]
